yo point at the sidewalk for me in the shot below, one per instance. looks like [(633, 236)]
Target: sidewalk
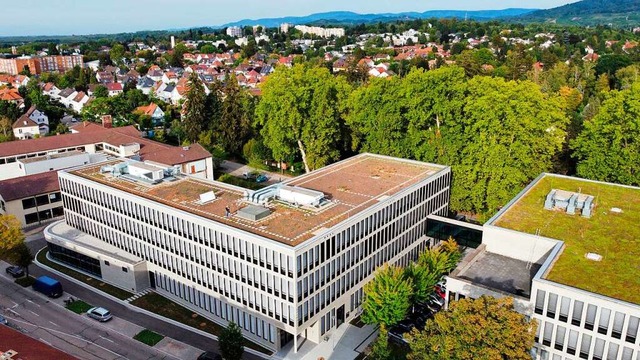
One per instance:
[(125, 328)]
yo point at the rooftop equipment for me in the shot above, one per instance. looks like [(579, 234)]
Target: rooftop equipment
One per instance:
[(570, 202)]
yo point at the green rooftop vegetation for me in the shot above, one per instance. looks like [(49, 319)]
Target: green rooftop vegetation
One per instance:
[(614, 236)]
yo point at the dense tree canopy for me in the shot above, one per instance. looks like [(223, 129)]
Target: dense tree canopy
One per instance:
[(608, 149), (300, 114), (484, 328), (387, 297)]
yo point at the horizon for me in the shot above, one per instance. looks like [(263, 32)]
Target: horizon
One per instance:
[(126, 17)]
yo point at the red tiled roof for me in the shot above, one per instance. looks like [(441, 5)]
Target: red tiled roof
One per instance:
[(114, 86), (11, 94), (89, 133), (31, 185), (146, 110), (28, 348)]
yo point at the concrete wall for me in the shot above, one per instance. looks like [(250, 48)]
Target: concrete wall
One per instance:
[(471, 290), (45, 165), (516, 245)]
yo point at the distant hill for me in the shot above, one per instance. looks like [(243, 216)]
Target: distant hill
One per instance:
[(347, 17), (589, 12)]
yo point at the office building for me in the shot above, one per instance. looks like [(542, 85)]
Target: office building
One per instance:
[(234, 31), (566, 250), (287, 263)]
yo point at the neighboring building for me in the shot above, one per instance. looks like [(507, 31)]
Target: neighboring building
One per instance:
[(566, 249), (153, 111), (12, 95), (320, 31), (32, 199), (114, 88), (284, 27), (286, 263), (40, 64), (15, 345), (234, 31), (33, 122)]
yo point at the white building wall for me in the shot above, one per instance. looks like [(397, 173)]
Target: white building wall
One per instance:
[(45, 165), (516, 245)]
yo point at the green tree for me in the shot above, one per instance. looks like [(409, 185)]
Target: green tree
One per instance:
[(380, 349), (231, 342), (177, 56), (608, 148), (21, 256), (387, 297), (518, 62), (235, 118), (484, 328), (508, 134), (101, 91), (255, 152), (300, 114), (117, 53), (11, 234), (196, 116)]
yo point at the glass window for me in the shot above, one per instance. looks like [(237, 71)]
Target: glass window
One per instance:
[(28, 203)]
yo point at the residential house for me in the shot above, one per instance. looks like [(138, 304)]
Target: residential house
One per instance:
[(12, 95), (145, 84), (155, 73), (170, 77), (153, 111), (25, 128), (104, 77), (50, 89), (114, 89)]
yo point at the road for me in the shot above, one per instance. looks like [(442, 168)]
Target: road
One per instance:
[(74, 334), (237, 169), (37, 242)]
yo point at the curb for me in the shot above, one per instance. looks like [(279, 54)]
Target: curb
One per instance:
[(143, 311)]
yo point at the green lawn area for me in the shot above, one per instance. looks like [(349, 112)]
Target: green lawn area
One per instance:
[(148, 337), (612, 235), (109, 289), (247, 184), (78, 307), (160, 305), (25, 281)]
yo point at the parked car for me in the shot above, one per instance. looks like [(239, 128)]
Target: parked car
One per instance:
[(261, 178), (48, 286), (397, 338), (15, 271), (99, 313), (436, 300), (3, 320), (209, 355)]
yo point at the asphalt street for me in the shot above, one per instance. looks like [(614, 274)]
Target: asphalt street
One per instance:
[(37, 242)]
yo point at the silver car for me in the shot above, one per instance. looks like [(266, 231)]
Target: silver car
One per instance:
[(100, 314)]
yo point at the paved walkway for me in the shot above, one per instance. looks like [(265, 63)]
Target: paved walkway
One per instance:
[(237, 169), (345, 343)]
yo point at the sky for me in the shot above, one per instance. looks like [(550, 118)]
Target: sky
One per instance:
[(67, 17)]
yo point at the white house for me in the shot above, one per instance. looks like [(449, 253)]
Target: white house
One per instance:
[(33, 122)]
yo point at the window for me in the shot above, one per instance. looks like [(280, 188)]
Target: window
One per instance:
[(584, 346), (591, 317), (540, 302), (598, 351), (576, 319), (632, 330), (31, 218), (106, 262), (28, 203), (573, 342), (618, 322), (612, 352), (124, 269), (560, 334), (564, 309), (548, 331), (551, 305), (603, 324)]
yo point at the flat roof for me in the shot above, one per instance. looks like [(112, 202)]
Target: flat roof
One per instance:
[(51, 156), (501, 273), (613, 235), (351, 186)]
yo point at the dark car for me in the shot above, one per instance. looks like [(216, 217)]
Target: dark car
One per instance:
[(209, 355), (15, 271)]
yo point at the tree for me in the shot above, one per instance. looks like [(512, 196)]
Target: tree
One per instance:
[(386, 297), (234, 124), (380, 349), (101, 91), (300, 114), (608, 148), (177, 57), (195, 117), (231, 342), (21, 256), (484, 328), (10, 232), (518, 62), (117, 53), (430, 267)]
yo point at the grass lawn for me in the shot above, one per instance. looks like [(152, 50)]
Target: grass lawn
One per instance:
[(148, 337), (79, 307), (162, 306), (109, 289), (610, 234), (25, 281), (247, 184)]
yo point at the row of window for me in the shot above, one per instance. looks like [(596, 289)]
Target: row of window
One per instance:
[(43, 215), (584, 345), (41, 200), (239, 248), (12, 159), (237, 291), (605, 321), (259, 328)]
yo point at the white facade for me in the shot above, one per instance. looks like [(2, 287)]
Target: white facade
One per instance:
[(276, 292), (234, 31), (572, 323), (320, 31)]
